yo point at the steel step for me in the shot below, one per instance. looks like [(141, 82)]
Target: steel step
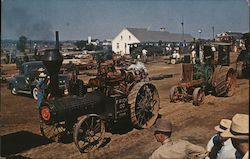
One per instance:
[(26, 92)]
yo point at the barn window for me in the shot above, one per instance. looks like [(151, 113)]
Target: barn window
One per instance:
[(121, 37), (117, 45), (129, 37)]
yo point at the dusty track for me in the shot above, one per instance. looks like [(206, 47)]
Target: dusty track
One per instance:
[(20, 134)]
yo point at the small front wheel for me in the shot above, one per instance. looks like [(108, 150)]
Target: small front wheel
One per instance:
[(175, 94), (89, 133)]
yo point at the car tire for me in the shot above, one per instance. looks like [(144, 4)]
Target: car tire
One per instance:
[(13, 90), (34, 93), (173, 61)]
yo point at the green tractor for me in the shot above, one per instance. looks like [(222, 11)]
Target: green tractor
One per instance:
[(209, 74)]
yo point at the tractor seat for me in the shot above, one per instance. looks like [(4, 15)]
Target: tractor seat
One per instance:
[(187, 72)]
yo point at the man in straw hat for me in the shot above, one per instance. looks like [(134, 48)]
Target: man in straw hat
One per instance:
[(220, 147), (239, 134), (170, 149)]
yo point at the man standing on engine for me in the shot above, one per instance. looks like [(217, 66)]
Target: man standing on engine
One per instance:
[(43, 82)]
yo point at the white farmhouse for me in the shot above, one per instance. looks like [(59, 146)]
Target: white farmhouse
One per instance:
[(121, 43)]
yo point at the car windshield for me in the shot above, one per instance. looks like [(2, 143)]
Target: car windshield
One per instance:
[(102, 55), (32, 68)]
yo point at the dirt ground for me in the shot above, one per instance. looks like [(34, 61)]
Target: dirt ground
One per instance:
[(21, 137)]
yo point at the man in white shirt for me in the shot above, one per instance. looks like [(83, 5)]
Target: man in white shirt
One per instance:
[(193, 56), (138, 66), (219, 147), (176, 55), (239, 134), (144, 55)]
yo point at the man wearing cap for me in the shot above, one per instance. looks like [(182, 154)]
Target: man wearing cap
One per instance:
[(170, 149), (239, 134), (42, 83), (220, 147), (144, 55)]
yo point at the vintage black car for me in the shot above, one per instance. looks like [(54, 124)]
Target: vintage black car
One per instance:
[(25, 81)]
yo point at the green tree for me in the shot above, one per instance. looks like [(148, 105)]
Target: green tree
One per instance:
[(81, 44), (160, 42), (21, 45), (90, 47)]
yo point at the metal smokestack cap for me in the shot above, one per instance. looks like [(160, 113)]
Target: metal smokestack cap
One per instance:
[(52, 58)]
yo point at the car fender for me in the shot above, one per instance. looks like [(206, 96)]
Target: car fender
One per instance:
[(33, 84), (12, 82)]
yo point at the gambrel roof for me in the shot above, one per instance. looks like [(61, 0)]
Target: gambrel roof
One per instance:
[(145, 35)]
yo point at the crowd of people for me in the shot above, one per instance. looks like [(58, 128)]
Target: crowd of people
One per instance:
[(230, 141)]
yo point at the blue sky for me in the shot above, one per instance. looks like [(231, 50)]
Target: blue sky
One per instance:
[(103, 19)]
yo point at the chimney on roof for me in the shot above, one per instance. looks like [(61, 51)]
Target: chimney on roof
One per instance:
[(162, 29)]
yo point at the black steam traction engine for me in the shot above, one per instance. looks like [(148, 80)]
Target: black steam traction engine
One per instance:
[(116, 95)]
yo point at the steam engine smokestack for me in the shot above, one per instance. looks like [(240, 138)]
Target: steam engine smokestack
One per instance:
[(52, 60), (57, 40)]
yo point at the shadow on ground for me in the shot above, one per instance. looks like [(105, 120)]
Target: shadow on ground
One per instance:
[(20, 141), (121, 127)]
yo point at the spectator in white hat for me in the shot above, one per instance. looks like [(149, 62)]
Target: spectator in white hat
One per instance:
[(239, 134), (220, 147)]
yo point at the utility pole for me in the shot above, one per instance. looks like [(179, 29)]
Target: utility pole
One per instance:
[(199, 33), (249, 14), (182, 28), (30, 47)]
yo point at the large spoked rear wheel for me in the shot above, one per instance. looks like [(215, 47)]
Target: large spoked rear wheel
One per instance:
[(230, 84), (144, 104), (53, 132), (198, 96), (89, 133)]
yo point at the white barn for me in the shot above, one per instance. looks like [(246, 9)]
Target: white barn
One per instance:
[(120, 44)]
